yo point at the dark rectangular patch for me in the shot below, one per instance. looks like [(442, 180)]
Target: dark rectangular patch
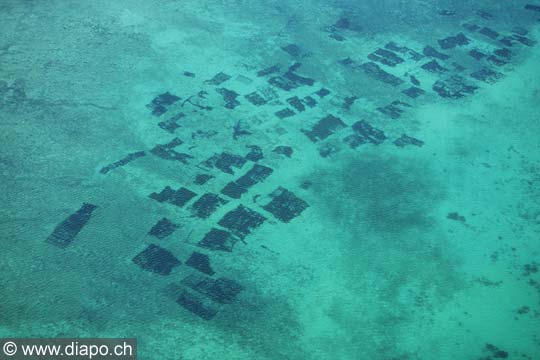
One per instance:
[(434, 67), (364, 133), (487, 75), (324, 128), (241, 221), (196, 305), (503, 52), (157, 260), (267, 71), (160, 103), (229, 96), (413, 92), (171, 124), (296, 103), (507, 41), (394, 109), (292, 49), (284, 205), (484, 14), (451, 42), (346, 61), (283, 150), (65, 232), (454, 87), (167, 152), (432, 52), (255, 99), (524, 40), (494, 60), (395, 47), (322, 92), (217, 239), (181, 197), (178, 197), (163, 228), (235, 189), (285, 113), (298, 79), (413, 55), (255, 153), (348, 102), (532, 7), (164, 195), (282, 83), (218, 79), (405, 140), (225, 162), (129, 158), (471, 27), (309, 101), (255, 175), (327, 150), (490, 33), (477, 54), (201, 262), (385, 57), (336, 37), (221, 290), (206, 205), (202, 179), (373, 70)]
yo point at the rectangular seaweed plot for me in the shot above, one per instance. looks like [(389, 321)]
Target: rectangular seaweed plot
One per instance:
[(206, 205), (200, 262), (67, 230), (451, 42), (284, 205), (324, 128), (160, 103), (432, 52), (405, 140), (218, 79), (256, 174), (156, 259), (394, 109), (163, 228), (178, 197), (182, 196), (196, 305), (171, 124), (122, 162), (454, 87), (221, 290), (365, 133), (385, 57), (373, 70), (241, 221), (191, 301), (167, 152), (225, 162), (487, 75), (217, 239)]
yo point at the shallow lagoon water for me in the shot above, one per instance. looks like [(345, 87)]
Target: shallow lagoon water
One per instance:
[(377, 245)]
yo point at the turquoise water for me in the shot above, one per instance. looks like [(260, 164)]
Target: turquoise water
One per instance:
[(273, 180)]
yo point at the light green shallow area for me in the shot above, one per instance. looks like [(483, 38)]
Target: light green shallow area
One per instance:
[(413, 252)]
